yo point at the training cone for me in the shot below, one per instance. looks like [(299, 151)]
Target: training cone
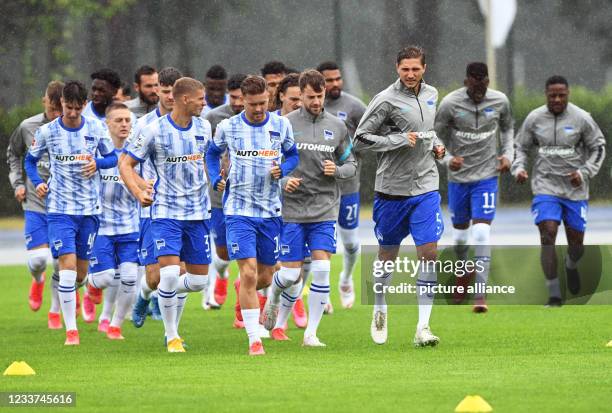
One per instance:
[(473, 404), (609, 344), (19, 368)]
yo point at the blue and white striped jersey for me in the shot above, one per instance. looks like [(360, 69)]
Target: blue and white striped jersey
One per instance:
[(90, 112), (253, 148), (119, 207), (178, 157), (69, 149)]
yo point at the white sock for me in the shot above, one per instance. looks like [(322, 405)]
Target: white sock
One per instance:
[(55, 302), (460, 238), (482, 253), (67, 295), (380, 304), (318, 296), (110, 297), (192, 283), (181, 300), (306, 266), (220, 265), (554, 289), (126, 292), (352, 248), (102, 279), (145, 290), (569, 263), (251, 324), (37, 262), (427, 277), (166, 291), (282, 280), (287, 300)]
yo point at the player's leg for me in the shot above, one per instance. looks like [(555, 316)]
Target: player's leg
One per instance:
[(85, 240), (348, 222), (459, 206), (300, 317), (218, 274), (547, 212), (101, 277), (37, 238), (110, 298), (54, 318), (126, 251), (574, 221)]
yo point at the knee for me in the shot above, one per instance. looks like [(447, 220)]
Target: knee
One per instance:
[(547, 237), (37, 259), (481, 233)]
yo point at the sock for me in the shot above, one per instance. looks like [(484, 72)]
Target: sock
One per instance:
[(166, 291), (83, 282), (55, 302), (380, 304), (318, 296), (126, 292), (67, 294), (145, 290), (220, 265), (110, 297), (102, 279), (427, 277), (569, 263), (282, 280), (192, 283), (251, 324), (460, 238), (37, 262), (352, 248), (554, 290), (306, 266), (287, 300), (482, 253), (181, 300)]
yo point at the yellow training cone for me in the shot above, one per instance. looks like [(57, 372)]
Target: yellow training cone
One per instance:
[(609, 344), (19, 368), (473, 404)]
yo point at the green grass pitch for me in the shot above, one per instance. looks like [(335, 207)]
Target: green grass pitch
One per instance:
[(518, 358)]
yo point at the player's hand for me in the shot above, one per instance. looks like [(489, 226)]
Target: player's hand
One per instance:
[(89, 169), (521, 177), (145, 197), (412, 138), (20, 193), (455, 163), (275, 171), (329, 168), (221, 184), (439, 151), (292, 184), (42, 190), (575, 178), (504, 164)]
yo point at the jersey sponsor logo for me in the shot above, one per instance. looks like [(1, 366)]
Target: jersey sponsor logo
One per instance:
[(45, 165), (343, 115), (193, 157), (71, 159), (328, 135), (112, 179), (315, 147), (427, 135), (556, 151), (475, 137), (258, 153)]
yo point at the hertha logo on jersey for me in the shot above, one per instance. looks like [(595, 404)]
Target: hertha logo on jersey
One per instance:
[(258, 153), (275, 137), (194, 157), (328, 135)]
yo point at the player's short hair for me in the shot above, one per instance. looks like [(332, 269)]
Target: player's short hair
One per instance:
[(115, 106), (253, 85), (477, 70), (290, 70), (54, 92), (186, 85), (328, 65), (126, 88), (274, 67), (74, 92), (169, 75), (235, 81), (216, 72), (143, 70), (312, 78), (556, 80), (411, 52), (291, 80), (109, 75)]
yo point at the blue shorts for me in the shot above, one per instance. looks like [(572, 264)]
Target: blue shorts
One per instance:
[(553, 208), (474, 200), (298, 239), (249, 237), (348, 216), (418, 215), (217, 227), (35, 231), (189, 240), (72, 234), (146, 247), (111, 250)]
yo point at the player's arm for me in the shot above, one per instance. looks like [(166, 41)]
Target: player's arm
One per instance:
[(443, 126), (522, 146), (346, 164), (14, 155), (506, 127), (214, 152), (128, 174), (39, 146), (596, 146), (142, 184), (367, 137), (291, 156)]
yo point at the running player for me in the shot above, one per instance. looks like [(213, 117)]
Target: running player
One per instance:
[(124, 92), (175, 143), (570, 151), (469, 121), (146, 82), (104, 86), (256, 139), (218, 274), (349, 109), (398, 126), (73, 202), (310, 208), (216, 88), (116, 244), (273, 72), (35, 211), (288, 94)]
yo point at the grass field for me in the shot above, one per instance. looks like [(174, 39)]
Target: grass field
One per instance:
[(519, 358)]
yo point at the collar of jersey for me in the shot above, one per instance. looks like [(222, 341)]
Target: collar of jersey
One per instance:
[(310, 116), (177, 126), (402, 87), (157, 112), (72, 129), (262, 123)]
